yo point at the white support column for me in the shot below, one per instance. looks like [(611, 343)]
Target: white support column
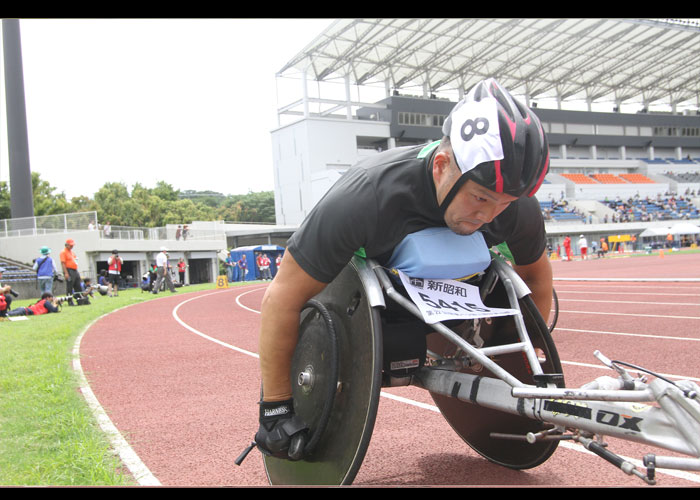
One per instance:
[(594, 152), (305, 94), (348, 110)]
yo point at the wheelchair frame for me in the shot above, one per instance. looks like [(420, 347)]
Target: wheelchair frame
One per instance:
[(668, 419)]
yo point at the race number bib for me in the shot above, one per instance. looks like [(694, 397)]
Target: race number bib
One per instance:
[(442, 300)]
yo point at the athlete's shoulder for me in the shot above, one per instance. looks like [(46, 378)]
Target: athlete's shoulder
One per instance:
[(399, 154)]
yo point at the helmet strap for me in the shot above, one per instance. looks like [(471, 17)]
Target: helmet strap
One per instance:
[(452, 193)]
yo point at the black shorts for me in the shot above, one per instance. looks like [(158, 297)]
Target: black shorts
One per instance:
[(113, 278)]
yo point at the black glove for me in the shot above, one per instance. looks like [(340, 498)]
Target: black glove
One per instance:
[(281, 434)]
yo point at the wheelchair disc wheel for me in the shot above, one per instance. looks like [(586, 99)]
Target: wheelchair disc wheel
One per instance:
[(342, 437)]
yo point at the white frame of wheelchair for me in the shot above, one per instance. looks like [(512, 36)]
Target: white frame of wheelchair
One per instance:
[(673, 425)]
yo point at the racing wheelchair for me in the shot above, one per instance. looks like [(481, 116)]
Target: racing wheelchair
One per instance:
[(487, 360)]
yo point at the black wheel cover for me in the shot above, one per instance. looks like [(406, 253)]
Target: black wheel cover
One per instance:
[(341, 448)]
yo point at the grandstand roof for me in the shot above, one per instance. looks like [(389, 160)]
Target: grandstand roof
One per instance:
[(623, 61)]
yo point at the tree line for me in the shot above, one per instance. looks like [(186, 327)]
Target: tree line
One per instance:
[(148, 207)]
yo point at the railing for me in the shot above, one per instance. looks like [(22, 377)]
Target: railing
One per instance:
[(47, 224), (157, 233), (87, 221)]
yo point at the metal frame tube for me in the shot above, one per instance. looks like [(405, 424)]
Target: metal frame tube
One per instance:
[(472, 351)]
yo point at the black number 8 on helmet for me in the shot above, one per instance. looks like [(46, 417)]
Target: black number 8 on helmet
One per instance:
[(512, 158)]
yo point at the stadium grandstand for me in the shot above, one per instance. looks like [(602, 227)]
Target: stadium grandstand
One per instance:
[(619, 100)]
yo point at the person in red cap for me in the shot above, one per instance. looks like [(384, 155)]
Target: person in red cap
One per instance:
[(70, 268)]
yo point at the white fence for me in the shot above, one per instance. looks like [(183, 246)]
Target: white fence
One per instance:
[(87, 221)]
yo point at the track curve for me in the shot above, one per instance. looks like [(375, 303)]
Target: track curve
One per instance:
[(178, 377)]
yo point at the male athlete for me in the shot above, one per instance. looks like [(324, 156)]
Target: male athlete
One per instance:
[(482, 176)]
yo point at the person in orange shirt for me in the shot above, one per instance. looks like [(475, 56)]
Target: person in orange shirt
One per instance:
[(70, 268)]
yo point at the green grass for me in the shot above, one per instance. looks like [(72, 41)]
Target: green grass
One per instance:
[(48, 435)]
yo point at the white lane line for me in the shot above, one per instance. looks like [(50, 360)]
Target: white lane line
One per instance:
[(623, 334), (619, 293), (615, 302), (601, 367), (631, 314), (246, 307), (633, 280), (688, 476), (203, 335), (125, 452)]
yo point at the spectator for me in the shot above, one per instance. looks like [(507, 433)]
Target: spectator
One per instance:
[(567, 247), (102, 280), (70, 268), (278, 262), (46, 304), (163, 271), (243, 266), (89, 288), (45, 269), (583, 247), (181, 267), (185, 232), (268, 263), (6, 294), (230, 264), (152, 272), (107, 228), (178, 233), (114, 264), (264, 266), (146, 282)]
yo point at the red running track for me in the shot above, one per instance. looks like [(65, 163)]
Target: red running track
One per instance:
[(178, 377)]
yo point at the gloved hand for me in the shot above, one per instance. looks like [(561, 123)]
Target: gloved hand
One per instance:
[(281, 434)]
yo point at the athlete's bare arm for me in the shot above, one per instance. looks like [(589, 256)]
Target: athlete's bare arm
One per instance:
[(281, 307), (538, 277)]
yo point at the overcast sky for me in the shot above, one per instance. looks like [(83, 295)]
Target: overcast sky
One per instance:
[(190, 102)]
